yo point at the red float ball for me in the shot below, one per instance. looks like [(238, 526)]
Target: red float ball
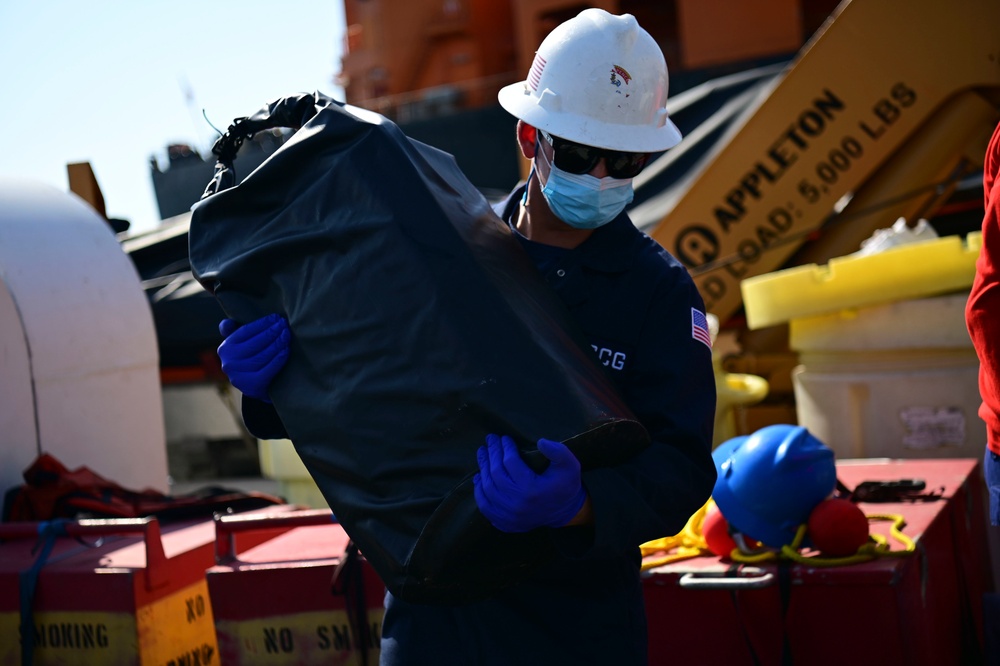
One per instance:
[(715, 529), (838, 527)]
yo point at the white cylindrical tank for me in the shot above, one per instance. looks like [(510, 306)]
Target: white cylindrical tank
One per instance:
[(79, 364)]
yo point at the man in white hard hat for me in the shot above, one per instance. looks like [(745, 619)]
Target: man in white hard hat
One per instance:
[(590, 112)]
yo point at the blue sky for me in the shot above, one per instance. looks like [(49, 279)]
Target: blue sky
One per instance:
[(106, 81)]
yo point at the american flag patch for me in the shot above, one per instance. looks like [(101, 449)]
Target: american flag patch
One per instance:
[(535, 75), (699, 328)]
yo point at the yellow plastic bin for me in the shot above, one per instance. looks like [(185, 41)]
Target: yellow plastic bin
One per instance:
[(886, 366), (279, 461), (907, 271)]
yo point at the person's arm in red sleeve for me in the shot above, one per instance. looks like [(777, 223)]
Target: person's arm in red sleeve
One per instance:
[(982, 312)]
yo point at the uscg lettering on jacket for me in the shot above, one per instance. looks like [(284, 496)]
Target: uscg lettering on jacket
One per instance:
[(610, 358)]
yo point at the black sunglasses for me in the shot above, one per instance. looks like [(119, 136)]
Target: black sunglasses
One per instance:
[(576, 158)]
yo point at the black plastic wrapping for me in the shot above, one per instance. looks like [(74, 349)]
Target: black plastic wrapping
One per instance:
[(419, 325)]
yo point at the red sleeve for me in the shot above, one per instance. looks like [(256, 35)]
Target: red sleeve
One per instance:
[(982, 312)]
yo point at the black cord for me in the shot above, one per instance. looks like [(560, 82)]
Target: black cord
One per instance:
[(205, 116)]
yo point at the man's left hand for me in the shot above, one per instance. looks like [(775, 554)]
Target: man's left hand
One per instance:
[(514, 498)]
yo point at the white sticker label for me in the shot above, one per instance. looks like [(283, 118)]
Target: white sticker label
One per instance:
[(932, 427)]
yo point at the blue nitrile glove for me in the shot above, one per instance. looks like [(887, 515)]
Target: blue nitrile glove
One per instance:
[(514, 498), (254, 353)]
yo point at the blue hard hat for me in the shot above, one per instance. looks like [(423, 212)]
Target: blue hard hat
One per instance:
[(722, 452), (771, 480)]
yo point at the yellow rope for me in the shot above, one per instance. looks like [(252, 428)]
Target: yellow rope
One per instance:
[(877, 547), (690, 542)]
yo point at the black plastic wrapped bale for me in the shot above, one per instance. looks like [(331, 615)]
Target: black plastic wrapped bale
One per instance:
[(419, 325)]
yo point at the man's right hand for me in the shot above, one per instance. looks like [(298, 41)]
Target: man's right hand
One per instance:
[(254, 353)]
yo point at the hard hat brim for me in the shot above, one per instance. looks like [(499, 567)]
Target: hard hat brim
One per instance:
[(517, 100)]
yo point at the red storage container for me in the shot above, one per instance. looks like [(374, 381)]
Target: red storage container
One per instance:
[(922, 608), (115, 591), (275, 603)]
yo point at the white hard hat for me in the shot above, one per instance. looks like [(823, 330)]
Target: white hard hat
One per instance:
[(600, 80)]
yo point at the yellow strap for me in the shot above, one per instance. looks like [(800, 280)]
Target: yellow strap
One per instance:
[(878, 547), (688, 543)]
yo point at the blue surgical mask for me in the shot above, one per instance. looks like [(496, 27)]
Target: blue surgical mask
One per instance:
[(584, 201)]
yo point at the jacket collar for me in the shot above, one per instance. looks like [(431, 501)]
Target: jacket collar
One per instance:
[(607, 248)]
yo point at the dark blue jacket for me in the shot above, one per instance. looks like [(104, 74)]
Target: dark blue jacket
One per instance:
[(634, 303)]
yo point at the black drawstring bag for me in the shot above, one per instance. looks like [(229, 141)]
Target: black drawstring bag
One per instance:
[(419, 325)]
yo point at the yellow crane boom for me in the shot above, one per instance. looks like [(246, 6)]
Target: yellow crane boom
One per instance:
[(886, 100)]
